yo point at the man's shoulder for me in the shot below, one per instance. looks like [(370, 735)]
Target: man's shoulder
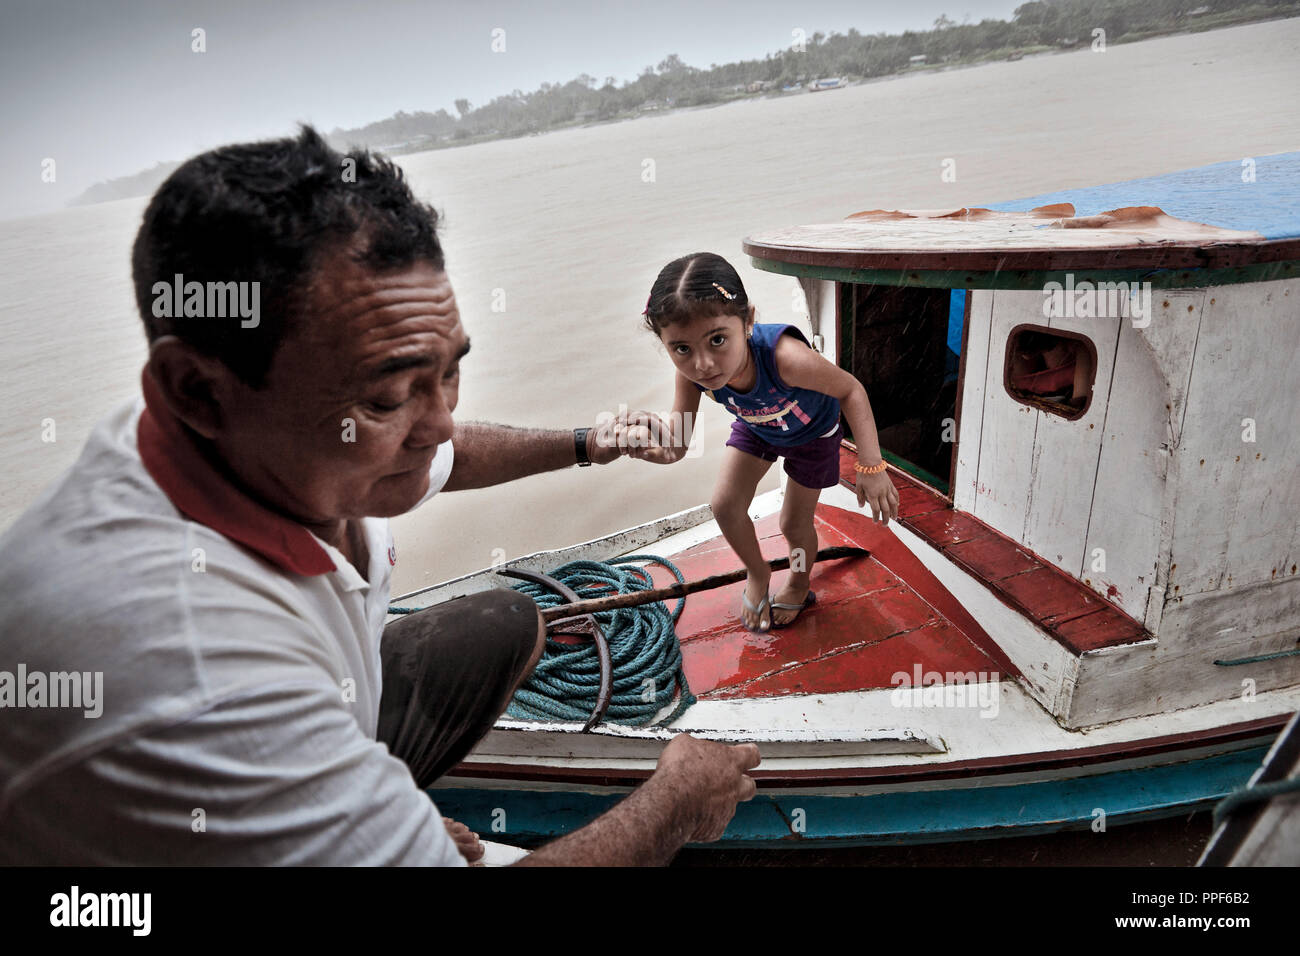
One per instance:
[(103, 575), (82, 530), (104, 534)]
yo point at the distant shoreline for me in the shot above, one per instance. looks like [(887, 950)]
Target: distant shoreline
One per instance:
[(923, 70), (143, 183)]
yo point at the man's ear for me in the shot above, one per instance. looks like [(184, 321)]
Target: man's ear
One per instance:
[(196, 388)]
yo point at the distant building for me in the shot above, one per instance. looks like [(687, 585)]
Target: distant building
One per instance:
[(919, 58)]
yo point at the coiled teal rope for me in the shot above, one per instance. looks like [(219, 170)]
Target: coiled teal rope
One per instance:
[(643, 647)]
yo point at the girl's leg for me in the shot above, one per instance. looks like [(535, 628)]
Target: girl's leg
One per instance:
[(801, 536), (741, 472)]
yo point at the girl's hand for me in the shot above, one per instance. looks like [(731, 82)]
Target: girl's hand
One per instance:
[(656, 454), (648, 438), (881, 493), (608, 440), (638, 434)]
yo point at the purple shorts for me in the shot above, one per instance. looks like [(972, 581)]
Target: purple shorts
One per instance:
[(815, 464)]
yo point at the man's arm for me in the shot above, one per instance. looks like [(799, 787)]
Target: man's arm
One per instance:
[(488, 454), (690, 799)]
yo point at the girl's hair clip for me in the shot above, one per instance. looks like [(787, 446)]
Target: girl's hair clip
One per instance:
[(646, 310), (728, 295)]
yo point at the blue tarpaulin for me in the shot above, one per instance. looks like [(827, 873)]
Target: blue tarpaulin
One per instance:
[(1221, 194)]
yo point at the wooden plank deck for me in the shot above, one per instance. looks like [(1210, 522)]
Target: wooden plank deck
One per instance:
[(874, 618), (1073, 614)]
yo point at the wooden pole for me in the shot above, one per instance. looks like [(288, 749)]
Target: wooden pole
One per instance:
[(613, 601)]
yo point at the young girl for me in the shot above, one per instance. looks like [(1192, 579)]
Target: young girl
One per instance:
[(787, 401)]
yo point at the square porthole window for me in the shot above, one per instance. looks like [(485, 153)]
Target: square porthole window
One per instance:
[(1050, 370)]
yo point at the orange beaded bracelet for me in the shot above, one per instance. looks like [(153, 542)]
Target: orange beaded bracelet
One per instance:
[(873, 470)]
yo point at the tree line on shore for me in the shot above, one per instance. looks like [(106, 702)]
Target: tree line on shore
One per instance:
[(1036, 26)]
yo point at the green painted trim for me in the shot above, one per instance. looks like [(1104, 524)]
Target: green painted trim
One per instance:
[(916, 471), (1035, 280), (902, 464), (847, 327)]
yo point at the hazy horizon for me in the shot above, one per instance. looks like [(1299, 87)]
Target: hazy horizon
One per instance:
[(111, 88)]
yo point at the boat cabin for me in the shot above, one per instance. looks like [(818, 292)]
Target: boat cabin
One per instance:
[(1090, 403)]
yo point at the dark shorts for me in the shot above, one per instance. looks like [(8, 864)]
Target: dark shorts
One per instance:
[(449, 671), (815, 464)]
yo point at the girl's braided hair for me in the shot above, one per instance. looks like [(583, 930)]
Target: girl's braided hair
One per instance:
[(702, 283)]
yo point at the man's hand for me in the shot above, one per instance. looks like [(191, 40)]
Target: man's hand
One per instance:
[(657, 445), (710, 779), (630, 433), (466, 840), (690, 798)]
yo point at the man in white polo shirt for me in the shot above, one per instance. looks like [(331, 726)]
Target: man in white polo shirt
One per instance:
[(212, 574)]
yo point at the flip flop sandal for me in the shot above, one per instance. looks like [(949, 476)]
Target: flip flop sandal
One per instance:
[(808, 601), (765, 603)]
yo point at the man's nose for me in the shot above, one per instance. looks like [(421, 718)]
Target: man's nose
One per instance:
[(435, 425)]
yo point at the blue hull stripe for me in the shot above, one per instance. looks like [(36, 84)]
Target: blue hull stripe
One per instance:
[(929, 816)]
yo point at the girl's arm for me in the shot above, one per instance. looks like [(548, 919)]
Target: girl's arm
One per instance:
[(665, 445), (802, 367)]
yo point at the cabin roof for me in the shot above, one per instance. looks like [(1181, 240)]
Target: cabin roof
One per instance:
[(1122, 226)]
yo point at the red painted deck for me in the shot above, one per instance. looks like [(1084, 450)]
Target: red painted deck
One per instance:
[(1067, 609), (874, 617)]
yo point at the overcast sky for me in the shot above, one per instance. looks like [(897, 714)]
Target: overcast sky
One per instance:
[(109, 87)]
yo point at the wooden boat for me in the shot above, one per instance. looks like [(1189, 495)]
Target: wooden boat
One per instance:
[(1260, 823), (1089, 610)]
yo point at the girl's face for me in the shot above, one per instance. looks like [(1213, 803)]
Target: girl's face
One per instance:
[(711, 351)]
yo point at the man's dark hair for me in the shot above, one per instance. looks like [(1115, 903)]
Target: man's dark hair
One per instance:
[(267, 213)]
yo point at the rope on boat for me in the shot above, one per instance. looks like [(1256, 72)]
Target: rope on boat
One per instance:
[(1257, 659), (643, 645), (1248, 794)]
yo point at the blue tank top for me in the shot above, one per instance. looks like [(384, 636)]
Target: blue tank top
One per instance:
[(774, 411)]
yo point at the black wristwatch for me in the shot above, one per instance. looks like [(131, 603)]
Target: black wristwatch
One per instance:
[(580, 446)]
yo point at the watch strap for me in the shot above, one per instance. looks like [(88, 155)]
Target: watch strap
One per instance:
[(580, 446)]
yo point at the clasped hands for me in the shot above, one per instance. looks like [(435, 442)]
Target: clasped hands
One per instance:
[(637, 434)]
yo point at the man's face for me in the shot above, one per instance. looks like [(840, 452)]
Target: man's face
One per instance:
[(358, 396)]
